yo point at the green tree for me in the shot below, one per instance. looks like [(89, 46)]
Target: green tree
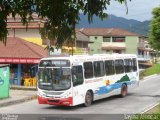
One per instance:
[(154, 34), (60, 16)]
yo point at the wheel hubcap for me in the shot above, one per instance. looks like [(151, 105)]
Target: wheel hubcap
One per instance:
[(88, 99), (124, 91)]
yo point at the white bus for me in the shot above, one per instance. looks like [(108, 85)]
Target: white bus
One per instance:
[(82, 79)]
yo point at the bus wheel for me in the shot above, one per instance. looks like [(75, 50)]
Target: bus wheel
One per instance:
[(88, 99), (124, 90)]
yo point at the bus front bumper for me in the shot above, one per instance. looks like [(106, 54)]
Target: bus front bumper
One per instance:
[(58, 102)]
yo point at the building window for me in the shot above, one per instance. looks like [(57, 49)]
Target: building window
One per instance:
[(119, 66), (109, 67), (146, 46), (95, 38), (88, 70), (106, 39), (117, 51), (118, 39), (107, 51)]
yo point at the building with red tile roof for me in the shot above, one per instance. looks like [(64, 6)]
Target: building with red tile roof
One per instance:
[(111, 40), (22, 57), (29, 33), (17, 48), (15, 23), (117, 40), (107, 32)]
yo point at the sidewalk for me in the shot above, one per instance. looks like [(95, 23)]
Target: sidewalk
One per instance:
[(18, 96)]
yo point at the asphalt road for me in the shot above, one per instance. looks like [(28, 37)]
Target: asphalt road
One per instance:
[(137, 101)]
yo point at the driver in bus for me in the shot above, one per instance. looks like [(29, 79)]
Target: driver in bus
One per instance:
[(65, 80), (57, 76)]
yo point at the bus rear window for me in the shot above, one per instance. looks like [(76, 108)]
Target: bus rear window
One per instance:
[(54, 63)]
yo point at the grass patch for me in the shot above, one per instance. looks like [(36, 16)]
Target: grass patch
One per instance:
[(155, 69), (153, 114), (158, 109), (155, 110)]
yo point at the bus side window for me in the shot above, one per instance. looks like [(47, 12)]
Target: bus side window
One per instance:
[(134, 63), (77, 75), (119, 66), (88, 70), (128, 65), (109, 67), (99, 69)]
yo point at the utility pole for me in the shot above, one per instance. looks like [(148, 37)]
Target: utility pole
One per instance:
[(49, 46), (73, 39)]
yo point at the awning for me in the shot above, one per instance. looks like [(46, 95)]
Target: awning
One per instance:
[(20, 60), (144, 49)]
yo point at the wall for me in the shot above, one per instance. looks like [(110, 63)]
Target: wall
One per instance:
[(31, 35), (131, 44), (95, 47), (24, 33)]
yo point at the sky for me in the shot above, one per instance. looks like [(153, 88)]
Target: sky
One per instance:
[(137, 9)]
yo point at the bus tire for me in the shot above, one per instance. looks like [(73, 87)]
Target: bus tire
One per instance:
[(88, 99), (123, 90)]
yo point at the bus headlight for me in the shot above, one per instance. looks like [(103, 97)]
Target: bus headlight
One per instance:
[(66, 95), (41, 94)]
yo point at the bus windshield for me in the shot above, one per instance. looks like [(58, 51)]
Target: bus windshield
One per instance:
[(54, 78)]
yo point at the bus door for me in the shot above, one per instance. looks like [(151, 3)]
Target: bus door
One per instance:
[(135, 72), (78, 87)]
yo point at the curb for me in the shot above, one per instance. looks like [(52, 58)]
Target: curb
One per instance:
[(23, 88), (13, 102), (150, 76), (149, 108)]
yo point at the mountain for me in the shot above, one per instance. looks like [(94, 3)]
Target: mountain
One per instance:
[(112, 21), (143, 28)]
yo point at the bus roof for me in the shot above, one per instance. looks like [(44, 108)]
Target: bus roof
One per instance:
[(94, 57)]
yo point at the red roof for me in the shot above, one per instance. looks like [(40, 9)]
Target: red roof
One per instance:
[(19, 48), (17, 24), (107, 32)]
